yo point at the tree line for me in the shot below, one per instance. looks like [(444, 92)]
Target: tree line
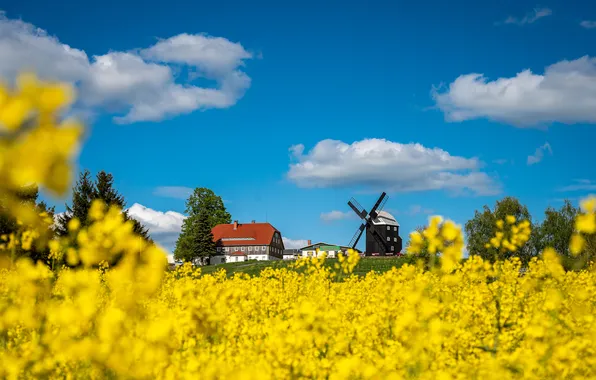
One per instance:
[(85, 190), (555, 231)]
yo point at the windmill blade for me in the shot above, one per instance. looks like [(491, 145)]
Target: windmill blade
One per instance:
[(356, 236), (359, 210), (382, 199)]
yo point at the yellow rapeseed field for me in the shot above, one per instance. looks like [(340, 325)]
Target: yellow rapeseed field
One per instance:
[(137, 320)]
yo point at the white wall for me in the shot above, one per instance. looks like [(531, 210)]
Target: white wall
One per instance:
[(330, 254), (309, 253), (235, 259), (259, 257)]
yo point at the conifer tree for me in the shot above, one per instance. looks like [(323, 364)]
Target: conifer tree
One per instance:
[(205, 246), (8, 223), (82, 196), (104, 190)]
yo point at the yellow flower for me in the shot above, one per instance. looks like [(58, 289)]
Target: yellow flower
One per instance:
[(450, 230), (97, 210), (74, 224), (14, 113), (55, 97), (586, 223), (576, 245)]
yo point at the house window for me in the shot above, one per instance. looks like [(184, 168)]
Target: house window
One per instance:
[(250, 248), (394, 228), (242, 249), (218, 249), (226, 249), (394, 239), (388, 238), (263, 248), (388, 228), (392, 248)]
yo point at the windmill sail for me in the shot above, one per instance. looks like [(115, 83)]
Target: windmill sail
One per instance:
[(359, 210), (357, 236)]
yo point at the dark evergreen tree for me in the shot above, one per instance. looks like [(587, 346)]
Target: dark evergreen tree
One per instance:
[(186, 247), (8, 224), (104, 190), (82, 196), (205, 246)]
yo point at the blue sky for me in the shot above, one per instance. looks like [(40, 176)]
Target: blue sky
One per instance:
[(242, 105)]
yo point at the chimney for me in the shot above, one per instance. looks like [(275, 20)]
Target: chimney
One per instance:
[(235, 224), (253, 222), (308, 242)]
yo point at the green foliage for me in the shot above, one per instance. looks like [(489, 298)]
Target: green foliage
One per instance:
[(557, 227), (8, 224), (205, 210), (556, 230), (104, 190), (203, 199), (83, 194), (205, 246), (480, 229)]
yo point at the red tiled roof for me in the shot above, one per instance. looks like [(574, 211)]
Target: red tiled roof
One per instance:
[(254, 234)]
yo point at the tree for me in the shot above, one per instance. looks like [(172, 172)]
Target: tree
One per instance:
[(556, 230), (82, 196), (202, 201), (557, 227), (205, 246), (8, 223), (481, 228), (104, 190)]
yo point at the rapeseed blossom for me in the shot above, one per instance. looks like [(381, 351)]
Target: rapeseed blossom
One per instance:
[(115, 312)]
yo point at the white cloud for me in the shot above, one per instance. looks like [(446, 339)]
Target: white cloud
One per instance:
[(335, 215), (501, 161), (588, 24), (138, 83), (531, 17), (393, 167), (294, 244), (580, 185), (164, 227), (178, 192), (565, 93), (539, 154), (215, 56)]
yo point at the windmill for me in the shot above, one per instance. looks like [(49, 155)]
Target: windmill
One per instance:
[(382, 230)]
